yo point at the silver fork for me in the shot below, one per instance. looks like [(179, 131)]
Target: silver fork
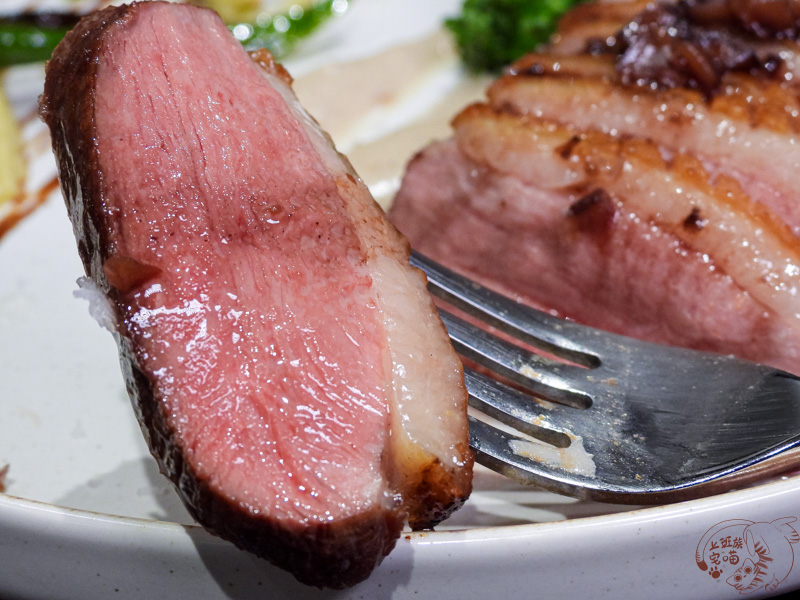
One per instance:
[(657, 423)]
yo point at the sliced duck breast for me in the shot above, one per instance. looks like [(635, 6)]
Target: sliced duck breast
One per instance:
[(288, 367), (605, 231), (750, 131)]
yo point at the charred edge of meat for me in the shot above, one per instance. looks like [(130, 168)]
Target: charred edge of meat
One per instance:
[(431, 500), (778, 19), (565, 151), (665, 47), (266, 61), (534, 69), (694, 221), (83, 180), (534, 65), (332, 547), (593, 213)]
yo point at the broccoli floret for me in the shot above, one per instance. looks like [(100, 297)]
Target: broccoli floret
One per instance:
[(492, 33)]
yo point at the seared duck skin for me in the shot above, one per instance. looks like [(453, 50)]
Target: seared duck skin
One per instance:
[(637, 175)]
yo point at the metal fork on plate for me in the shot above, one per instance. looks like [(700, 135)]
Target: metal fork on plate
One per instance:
[(609, 418)]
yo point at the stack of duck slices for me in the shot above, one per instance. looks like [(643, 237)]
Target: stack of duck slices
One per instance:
[(288, 367), (638, 176)]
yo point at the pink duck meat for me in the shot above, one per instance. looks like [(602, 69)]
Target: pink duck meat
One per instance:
[(288, 367)]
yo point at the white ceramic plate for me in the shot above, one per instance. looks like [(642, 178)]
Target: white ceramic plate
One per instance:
[(87, 516)]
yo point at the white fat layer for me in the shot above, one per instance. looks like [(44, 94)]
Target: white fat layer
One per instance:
[(426, 374), (100, 307)]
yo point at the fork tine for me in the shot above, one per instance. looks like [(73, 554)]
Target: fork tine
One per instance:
[(536, 418), (534, 327), (544, 378), (665, 423)]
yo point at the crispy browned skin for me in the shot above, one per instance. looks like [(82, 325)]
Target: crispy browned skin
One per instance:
[(583, 184)]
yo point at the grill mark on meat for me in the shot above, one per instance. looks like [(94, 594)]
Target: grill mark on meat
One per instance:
[(694, 221), (565, 151), (597, 26), (261, 357), (593, 213), (766, 19), (538, 65), (663, 47), (591, 24)]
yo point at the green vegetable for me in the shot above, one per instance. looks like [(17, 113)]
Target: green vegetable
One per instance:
[(281, 33), (493, 33), (33, 37)]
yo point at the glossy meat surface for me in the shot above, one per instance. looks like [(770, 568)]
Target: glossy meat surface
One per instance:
[(276, 343), (750, 132), (637, 196), (550, 218)]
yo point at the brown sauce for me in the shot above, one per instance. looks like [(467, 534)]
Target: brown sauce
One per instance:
[(27, 203)]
